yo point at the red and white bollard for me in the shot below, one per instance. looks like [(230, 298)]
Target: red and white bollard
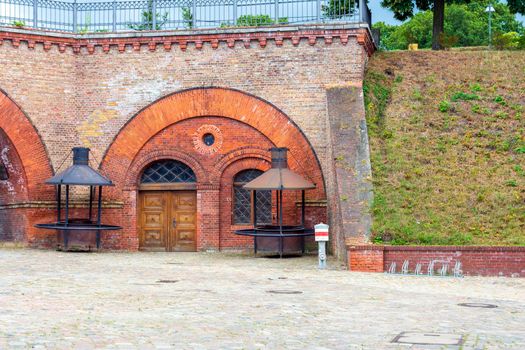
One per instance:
[(321, 236)]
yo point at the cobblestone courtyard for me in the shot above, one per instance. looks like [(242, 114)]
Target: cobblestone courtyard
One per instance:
[(54, 300)]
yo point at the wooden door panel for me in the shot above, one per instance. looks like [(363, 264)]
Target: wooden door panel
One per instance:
[(153, 224), (183, 233), (167, 220)]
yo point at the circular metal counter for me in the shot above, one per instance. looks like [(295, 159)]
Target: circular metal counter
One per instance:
[(274, 239)]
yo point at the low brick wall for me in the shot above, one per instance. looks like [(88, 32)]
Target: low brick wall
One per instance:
[(482, 261)]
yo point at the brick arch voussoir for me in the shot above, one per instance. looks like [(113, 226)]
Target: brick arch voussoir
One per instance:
[(142, 161), (258, 155), (29, 147), (207, 101)]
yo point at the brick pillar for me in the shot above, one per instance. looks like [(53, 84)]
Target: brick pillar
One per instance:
[(129, 233), (208, 199), (349, 186), (366, 258)]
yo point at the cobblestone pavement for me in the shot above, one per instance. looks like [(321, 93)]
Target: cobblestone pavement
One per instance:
[(54, 300)]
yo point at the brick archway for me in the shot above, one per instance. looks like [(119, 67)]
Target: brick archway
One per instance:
[(211, 101), (166, 129), (29, 147)]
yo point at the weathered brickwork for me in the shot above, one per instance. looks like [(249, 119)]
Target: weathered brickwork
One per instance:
[(121, 96), (483, 261)]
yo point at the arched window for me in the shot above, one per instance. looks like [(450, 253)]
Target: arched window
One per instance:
[(243, 200), (168, 171)]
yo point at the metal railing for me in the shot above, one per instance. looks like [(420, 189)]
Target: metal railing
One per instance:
[(112, 16)]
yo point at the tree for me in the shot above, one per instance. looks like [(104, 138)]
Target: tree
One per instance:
[(404, 9), (468, 23)]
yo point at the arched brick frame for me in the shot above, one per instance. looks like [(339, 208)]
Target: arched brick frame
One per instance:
[(138, 166), (28, 144), (211, 101), (243, 153), (242, 161)]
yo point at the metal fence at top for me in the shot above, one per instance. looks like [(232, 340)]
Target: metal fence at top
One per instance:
[(112, 16)]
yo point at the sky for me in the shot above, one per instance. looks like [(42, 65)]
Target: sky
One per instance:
[(380, 14)]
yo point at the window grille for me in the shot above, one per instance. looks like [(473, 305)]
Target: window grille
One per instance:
[(243, 200), (168, 171)]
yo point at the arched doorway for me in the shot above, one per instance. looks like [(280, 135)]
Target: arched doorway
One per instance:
[(167, 207)]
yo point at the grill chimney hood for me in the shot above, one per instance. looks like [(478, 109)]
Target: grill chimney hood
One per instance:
[(279, 177), (80, 173)]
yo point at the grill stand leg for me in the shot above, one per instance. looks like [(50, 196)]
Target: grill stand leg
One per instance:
[(98, 240), (66, 239)]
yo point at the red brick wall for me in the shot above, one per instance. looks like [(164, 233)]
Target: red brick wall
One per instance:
[(484, 261), (365, 260), (114, 93)]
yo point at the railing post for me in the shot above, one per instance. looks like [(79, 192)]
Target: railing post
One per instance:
[(234, 12), (276, 11), (318, 10), (194, 13), (114, 26), (35, 13), (75, 14), (362, 10), (154, 14)]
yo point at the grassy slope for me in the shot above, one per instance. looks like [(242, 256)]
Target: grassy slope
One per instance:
[(455, 176)]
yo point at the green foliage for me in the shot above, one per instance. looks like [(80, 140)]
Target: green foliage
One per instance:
[(464, 96), (85, 28), (500, 100), (447, 41), (511, 183), (506, 41), (475, 88), (339, 8), (377, 89), (255, 21), (187, 17), (468, 23), (444, 106), (386, 31), (521, 43), (19, 24), (146, 22)]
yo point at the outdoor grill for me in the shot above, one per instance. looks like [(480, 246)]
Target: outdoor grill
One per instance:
[(278, 238), (78, 174)]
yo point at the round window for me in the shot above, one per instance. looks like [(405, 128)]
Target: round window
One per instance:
[(208, 139)]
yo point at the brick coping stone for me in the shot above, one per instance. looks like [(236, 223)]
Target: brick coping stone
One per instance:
[(196, 37)]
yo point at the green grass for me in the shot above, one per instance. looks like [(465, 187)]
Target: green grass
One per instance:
[(447, 147)]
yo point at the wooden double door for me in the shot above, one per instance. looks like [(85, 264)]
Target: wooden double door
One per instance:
[(168, 220)]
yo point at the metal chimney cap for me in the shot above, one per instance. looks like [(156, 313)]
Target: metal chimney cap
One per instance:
[(279, 157), (81, 155)]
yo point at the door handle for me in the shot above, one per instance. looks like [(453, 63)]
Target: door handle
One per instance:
[(174, 223)]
